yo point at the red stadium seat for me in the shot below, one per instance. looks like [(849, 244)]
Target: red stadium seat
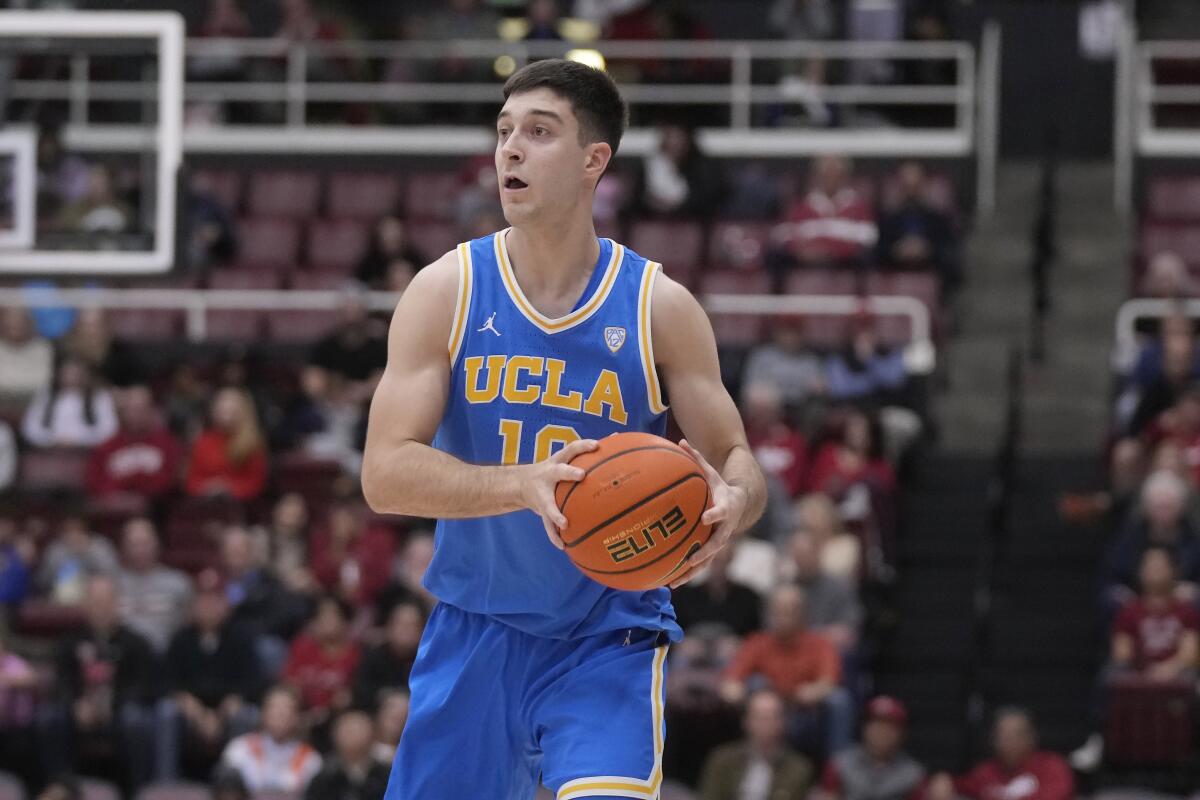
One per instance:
[(678, 245), (823, 330), (285, 193), (53, 469), (431, 195), (44, 619), (736, 329), (738, 245), (192, 560), (337, 244), (244, 279), (300, 326), (320, 281), (147, 325), (1184, 240), (312, 477), (362, 195), (1175, 197), (924, 286), (268, 243), (108, 515), (234, 325), (225, 185), (175, 791), (1149, 724), (433, 238)]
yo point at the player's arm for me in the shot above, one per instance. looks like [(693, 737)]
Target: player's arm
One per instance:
[(685, 352), (402, 473)]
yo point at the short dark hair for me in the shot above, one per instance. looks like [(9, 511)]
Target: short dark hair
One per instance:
[(594, 97)]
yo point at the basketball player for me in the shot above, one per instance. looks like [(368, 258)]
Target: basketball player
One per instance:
[(508, 357)]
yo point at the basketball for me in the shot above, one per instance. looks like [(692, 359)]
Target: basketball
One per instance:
[(634, 518)]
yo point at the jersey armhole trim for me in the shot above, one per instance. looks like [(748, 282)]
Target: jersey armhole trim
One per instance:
[(646, 341), (462, 304)]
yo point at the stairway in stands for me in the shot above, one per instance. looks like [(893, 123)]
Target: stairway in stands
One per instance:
[(1041, 646)]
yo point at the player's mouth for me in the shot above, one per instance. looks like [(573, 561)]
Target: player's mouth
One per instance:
[(514, 184)]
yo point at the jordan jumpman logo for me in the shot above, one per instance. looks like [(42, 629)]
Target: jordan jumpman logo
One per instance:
[(489, 325)]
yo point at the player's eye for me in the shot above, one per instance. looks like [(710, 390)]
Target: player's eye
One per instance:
[(502, 132), (540, 131)]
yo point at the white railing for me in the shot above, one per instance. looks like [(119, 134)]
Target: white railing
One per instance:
[(920, 352), (971, 97)]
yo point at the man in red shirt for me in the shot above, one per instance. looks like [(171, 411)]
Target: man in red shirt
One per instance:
[(1019, 770), (833, 224), (778, 447), (802, 666), (142, 458), (322, 661)]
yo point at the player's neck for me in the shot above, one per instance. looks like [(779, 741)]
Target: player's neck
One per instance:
[(552, 257)]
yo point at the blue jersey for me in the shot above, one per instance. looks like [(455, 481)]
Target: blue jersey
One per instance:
[(522, 385)]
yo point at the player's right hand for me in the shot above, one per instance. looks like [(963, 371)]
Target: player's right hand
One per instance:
[(536, 486)]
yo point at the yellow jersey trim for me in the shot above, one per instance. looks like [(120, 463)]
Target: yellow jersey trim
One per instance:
[(653, 389), (462, 305), (540, 320)]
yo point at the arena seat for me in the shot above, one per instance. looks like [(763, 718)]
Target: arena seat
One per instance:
[(292, 194), (1158, 237), (939, 193), (148, 325), (431, 195), (311, 477), (337, 244), (924, 286), (268, 243), (362, 195), (678, 245), (738, 245), (174, 791), (108, 515), (52, 469), (300, 326), (319, 281), (736, 330), (1173, 198), (244, 279), (432, 239), (823, 330), (44, 619), (234, 324)]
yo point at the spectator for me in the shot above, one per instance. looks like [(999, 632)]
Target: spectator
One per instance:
[(8, 457), (458, 20), (142, 458), (390, 718), (1162, 523), (283, 544), (400, 273), (154, 598), (17, 555), (833, 225), (274, 758), (323, 419), (778, 446), (916, 235), (353, 773), (91, 340), (321, 661), (841, 552), (1018, 770), (1156, 634), (72, 411), (61, 787), (865, 371), (100, 210), (259, 601), (224, 20), (230, 457), (477, 194), (355, 351), (719, 601), (26, 359), (832, 605), (107, 684), (677, 179), (1167, 276), (406, 579), (761, 765), (186, 401), (212, 681), (211, 237), (800, 665), (386, 667), (62, 176), (389, 242), (788, 363), (349, 558), (18, 698), (877, 769), (541, 18), (1164, 371), (854, 457), (804, 19), (75, 556)]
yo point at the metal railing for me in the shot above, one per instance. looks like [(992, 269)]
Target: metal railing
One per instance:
[(736, 77), (196, 303)]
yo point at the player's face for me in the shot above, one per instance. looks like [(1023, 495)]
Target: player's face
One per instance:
[(543, 169)]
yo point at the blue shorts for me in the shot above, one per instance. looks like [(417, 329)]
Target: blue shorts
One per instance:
[(495, 709)]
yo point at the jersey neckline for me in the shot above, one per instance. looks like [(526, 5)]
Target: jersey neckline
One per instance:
[(581, 313)]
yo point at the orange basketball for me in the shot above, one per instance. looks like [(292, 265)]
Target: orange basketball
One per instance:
[(635, 517)]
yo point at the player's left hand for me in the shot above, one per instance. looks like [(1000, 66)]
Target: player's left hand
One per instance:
[(728, 507)]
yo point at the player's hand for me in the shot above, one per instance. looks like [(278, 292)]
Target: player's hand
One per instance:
[(728, 507), (536, 486)]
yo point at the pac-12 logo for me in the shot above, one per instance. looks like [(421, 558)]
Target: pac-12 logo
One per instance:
[(614, 338), (657, 531)]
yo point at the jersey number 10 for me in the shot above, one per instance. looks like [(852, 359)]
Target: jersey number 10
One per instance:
[(543, 445)]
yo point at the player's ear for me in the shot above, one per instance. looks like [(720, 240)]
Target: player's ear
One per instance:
[(596, 161)]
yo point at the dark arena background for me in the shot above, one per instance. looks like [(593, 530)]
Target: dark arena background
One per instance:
[(951, 253)]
